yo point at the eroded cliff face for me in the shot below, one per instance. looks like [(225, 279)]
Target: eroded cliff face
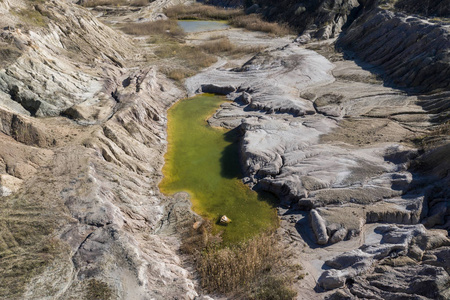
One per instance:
[(82, 142), (412, 52), (334, 142), (83, 137)]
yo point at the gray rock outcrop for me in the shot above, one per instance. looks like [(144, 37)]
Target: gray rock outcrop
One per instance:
[(345, 159), (411, 51), (322, 19), (81, 211), (384, 268), (319, 227)]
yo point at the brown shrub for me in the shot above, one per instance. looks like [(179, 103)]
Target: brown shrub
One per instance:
[(218, 46), (177, 74), (168, 28), (247, 270), (201, 12), (222, 45), (98, 290), (94, 3), (189, 56), (231, 268), (185, 61), (255, 23)]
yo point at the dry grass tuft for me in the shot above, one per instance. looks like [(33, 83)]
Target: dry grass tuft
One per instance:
[(201, 12), (223, 46), (98, 290), (185, 61), (94, 3), (167, 28), (247, 270), (255, 23), (26, 245), (177, 73), (219, 45), (236, 17), (189, 56)]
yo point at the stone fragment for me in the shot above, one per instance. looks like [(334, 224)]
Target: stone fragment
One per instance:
[(338, 236), (224, 220), (319, 227)]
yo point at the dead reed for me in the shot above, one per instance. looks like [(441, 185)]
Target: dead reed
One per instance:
[(201, 12), (94, 3), (236, 17), (254, 22), (249, 270), (167, 28)]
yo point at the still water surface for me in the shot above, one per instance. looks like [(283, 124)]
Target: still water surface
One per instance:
[(199, 26), (204, 162)]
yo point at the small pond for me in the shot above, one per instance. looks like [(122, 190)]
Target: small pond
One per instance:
[(190, 26), (204, 162)]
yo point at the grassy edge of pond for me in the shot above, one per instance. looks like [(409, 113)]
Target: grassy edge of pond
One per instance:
[(235, 17)]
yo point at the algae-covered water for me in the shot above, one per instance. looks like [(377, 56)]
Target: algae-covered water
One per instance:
[(204, 162)]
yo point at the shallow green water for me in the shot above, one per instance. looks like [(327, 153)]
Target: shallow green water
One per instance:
[(199, 26), (203, 161)]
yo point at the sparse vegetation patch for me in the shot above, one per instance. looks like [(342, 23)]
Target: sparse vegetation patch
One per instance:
[(255, 23), (201, 12), (235, 17), (94, 3), (26, 246), (167, 28), (248, 270), (98, 290)]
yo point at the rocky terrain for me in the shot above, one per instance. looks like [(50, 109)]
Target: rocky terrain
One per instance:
[(83, 137), (334, 142), (354, 142)]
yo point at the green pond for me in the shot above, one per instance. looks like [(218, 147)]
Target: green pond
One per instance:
[(204, 162)]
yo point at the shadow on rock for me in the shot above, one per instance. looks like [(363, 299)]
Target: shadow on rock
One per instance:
[(230, 167)]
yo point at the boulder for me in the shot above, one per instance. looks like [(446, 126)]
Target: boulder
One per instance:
[(319, 227), (224, 220), (338, 236)]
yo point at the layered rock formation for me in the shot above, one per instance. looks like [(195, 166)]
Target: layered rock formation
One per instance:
[(412, 52), (83, 135), (396, 262), (332, 140), (82, 131)]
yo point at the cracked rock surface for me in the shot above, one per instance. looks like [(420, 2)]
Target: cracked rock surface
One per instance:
[(82, 130), (333, 143)]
